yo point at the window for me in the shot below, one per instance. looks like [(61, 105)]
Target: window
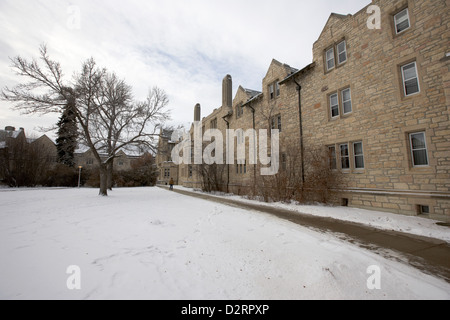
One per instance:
[(190, 171), (401, 20), (423, 210), (346, 100), (271, 91), (345, 157), (332, 157), (342, 52), (410, 79), (213, 124), (89, 161), (358, 154), (121, 163), (334, 105), (276, 122), (419, 149), (330, 59), (239, 111), (274, 90), (166, 173)]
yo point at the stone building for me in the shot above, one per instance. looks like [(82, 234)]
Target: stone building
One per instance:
[(122, 162), (375, 98), (166, 168)]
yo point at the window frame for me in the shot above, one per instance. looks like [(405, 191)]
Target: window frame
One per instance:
[(413, 162), (358, 155), (345, 157), (338, 53), (396, 23), (331, 105), (327, 60), (343, 102), (402, 67)]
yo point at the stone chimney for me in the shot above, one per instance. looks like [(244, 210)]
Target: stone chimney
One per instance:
[(197, 113), (10, 128), (227, 92)]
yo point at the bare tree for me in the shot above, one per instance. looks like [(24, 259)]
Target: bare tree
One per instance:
[(107, 117)]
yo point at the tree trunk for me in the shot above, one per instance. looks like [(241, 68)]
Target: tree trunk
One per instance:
[(103, 180), (110, 169)]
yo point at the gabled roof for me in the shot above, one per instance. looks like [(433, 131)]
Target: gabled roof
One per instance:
[(287, 67), (332, 19)]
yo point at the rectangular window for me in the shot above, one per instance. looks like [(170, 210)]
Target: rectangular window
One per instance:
[(330, 59), (334, 105), (410, 79), (277, 86), (401, 20), (271, 91), (342, 52), (276, 123), (239, 111), (332, 157), (190, 171), (347, 100), (345, 157), (358, 153), (419, 149)]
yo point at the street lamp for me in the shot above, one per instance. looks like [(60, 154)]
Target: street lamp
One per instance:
[(79, 176)]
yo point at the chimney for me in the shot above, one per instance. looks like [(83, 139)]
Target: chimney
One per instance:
[(227, 92), (197, 112), (10, 128)]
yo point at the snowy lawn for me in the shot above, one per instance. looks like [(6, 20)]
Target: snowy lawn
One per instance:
[(149, 243), (381, 220)]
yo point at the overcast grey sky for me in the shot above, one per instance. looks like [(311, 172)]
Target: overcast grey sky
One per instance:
[(185, 47)]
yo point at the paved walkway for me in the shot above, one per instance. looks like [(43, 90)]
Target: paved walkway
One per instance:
[(432, 256)]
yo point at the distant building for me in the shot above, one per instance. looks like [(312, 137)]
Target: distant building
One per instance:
[(166, 168)]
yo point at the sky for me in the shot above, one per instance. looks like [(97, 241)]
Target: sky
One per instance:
[(184, 47)]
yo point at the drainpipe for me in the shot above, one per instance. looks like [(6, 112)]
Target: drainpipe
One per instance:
[(302, 149), (228, 166)]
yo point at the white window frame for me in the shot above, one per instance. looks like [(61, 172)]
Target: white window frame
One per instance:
[(404, 80), (358, 155), (344, 101), (339, 53), (272, 91), (277, 89), (331, 106), (333, 58), (412, 150), (347, 156), (396, 23)]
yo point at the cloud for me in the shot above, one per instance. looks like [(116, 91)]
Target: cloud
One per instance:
[(183, 47)]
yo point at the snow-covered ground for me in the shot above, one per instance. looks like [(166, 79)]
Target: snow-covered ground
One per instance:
[(381, 220), (149, 243)]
